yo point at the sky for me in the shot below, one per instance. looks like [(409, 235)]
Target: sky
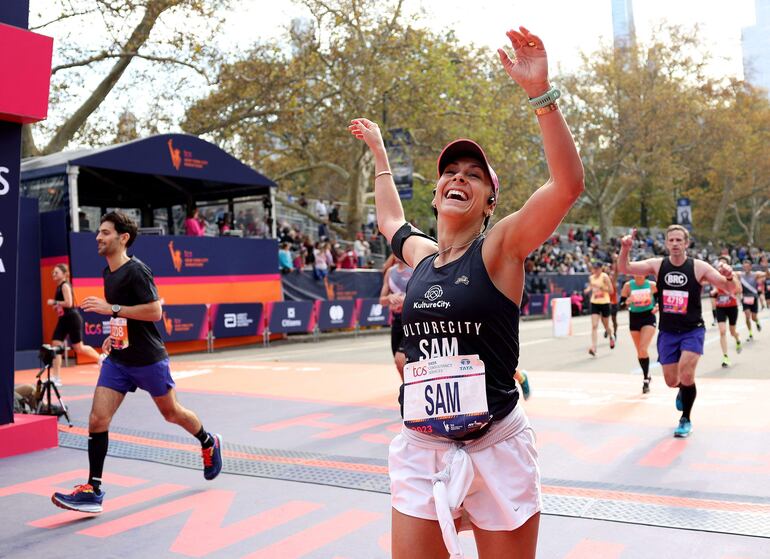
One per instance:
[(567, 27)]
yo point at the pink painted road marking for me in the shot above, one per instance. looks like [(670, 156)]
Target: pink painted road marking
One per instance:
[(203, 532), (110, 505), (313, 538), (331, 430), (606, 453), (45, 486), (664, 453), (591, 549)]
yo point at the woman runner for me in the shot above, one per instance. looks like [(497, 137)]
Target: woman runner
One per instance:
[(460, 320), (640, 295), (70, 323)]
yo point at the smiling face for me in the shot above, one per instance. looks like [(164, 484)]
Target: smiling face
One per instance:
[(108, 241), (463, 189), (57, 275)]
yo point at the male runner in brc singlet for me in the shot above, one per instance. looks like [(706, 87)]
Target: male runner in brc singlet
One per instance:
[(726, 308), (681, 336), (750, 281), (137, 359)]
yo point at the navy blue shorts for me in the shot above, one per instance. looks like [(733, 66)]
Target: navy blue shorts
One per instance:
[(155, 379), (671, 346)]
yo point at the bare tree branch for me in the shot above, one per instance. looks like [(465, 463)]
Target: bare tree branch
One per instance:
[(104, 56), (61, 18)]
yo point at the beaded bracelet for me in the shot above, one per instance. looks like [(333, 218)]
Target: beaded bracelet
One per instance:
[(547, 109)]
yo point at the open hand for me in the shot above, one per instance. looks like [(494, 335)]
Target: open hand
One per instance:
[(97, 305), (529, 68), (368, 131)]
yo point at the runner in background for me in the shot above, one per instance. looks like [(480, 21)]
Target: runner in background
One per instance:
[(765, 284), (726, 310), (750, 281), (682, 333), (600, 288), (395, 276), (612, 271), (640, 294)]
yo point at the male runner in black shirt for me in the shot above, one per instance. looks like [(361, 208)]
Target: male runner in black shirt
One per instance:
[(137, 358), (681, 337)]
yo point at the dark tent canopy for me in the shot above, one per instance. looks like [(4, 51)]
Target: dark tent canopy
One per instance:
[(156, 172)]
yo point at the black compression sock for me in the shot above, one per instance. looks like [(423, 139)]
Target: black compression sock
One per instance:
[(645, 364), (97, 452), (207, 441), (688, 399)]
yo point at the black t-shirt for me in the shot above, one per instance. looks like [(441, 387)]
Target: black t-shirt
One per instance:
[(130, 285)]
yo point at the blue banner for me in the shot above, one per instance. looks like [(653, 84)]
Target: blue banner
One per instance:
[(96, 327), (10, 155), (183, 323), (236, 319), (169, 256), (339, 284), (336, 314), (290, 317), (372, 313)]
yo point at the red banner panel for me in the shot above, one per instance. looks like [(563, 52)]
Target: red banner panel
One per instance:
[(25, 72)]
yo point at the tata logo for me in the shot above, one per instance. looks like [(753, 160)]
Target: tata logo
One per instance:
[(291, 312), (434, 293), (336, 313), (675, 279), (375, 311), (465, 362)]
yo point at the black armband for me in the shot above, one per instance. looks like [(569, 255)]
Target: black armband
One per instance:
[(400, 236)]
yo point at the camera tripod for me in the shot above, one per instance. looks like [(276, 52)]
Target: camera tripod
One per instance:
[(43, 394)]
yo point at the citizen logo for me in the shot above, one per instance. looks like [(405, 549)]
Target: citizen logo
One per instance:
[(336, 313), (434, 292), (675, 279)]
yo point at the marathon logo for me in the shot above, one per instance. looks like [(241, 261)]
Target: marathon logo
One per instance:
[(675, 279)]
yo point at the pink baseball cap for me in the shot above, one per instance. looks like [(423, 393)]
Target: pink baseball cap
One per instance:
[(466, 148)]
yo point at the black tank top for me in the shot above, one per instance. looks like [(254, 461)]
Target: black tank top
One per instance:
[(679, 297), (455, 309), (59, 297)]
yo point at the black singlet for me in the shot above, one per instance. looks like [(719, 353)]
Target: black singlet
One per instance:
[(679, 297), (132, 284), (455, 309), (59, 298)]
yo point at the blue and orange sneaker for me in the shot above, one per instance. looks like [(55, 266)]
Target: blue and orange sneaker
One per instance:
[(684, 429), (84, 499), (212, 458)]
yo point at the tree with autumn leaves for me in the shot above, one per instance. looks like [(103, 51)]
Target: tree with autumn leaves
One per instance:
[(650, 123)]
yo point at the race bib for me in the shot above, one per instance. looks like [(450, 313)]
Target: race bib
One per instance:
[(119, 333), (446, 396), (59, 309), (641, 297), (724, 300), (674, 301), (748, 299)]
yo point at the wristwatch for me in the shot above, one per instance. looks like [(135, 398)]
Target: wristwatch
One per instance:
[(115, 311)]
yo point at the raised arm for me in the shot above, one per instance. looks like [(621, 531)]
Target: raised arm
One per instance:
[(390, 213), (641, 268), (721, 277), (523, 231)]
